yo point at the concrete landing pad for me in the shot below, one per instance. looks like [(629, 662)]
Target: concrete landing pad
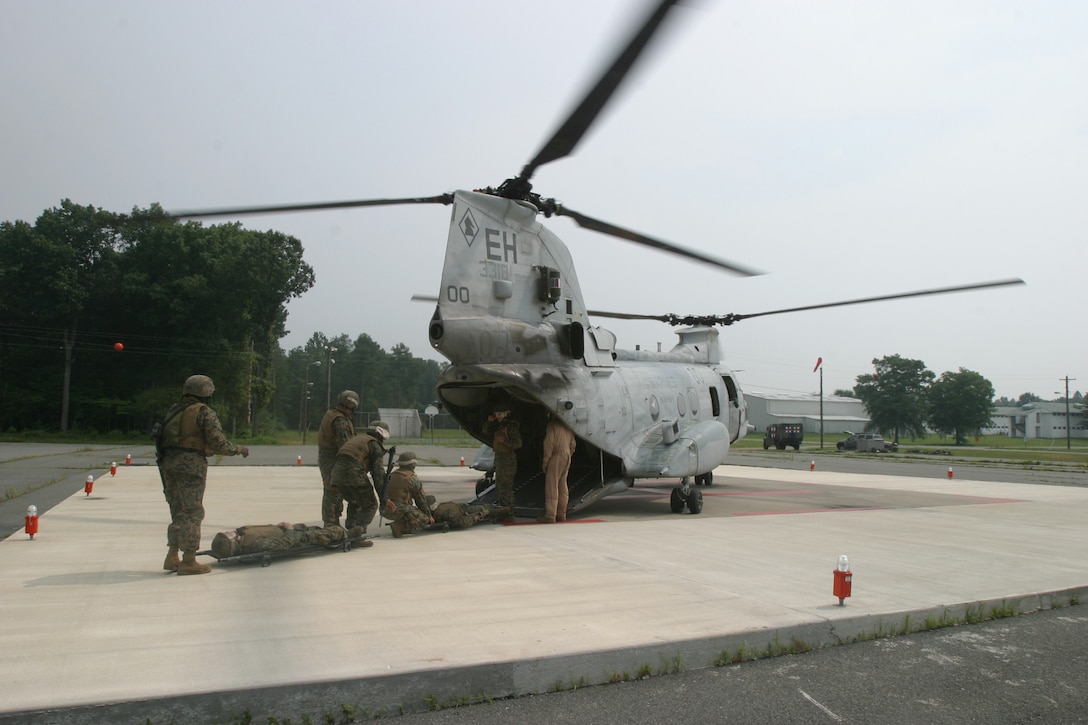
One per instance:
[(94, 630)]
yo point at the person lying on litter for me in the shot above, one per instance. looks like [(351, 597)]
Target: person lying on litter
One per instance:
[(283, 536), (463, 515)]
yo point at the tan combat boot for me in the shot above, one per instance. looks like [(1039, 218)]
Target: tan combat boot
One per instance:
[(172, 561), (397, 528), (189, 565)]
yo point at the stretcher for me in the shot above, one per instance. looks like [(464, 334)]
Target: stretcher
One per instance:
[(266, 557), (442, 526)]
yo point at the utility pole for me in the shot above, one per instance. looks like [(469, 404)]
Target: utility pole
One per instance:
[(304, 417), (328, 378), (1068, 433), (819, 366)]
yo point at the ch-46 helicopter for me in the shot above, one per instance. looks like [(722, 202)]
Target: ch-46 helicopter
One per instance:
[(511, 319)]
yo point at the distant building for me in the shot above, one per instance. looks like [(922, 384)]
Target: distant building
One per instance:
[(1038, 420), (403, 422), (841, 415)]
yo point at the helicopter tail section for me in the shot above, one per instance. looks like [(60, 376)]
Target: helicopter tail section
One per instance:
[(509, 292)]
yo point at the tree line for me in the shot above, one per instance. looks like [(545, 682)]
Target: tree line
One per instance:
[(903, 396), (104, 315)]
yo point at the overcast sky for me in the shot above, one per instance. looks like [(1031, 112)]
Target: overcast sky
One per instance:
[(847, 149)]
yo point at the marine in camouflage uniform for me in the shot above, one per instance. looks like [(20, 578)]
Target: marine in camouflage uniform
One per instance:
[(361, 455), (406, 505), (463, 515), (278, 537), (337, 428), (191, 432), (505, 435)]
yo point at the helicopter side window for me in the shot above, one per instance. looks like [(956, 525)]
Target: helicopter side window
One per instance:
[(715, 403), (576, 337), (731, 388)]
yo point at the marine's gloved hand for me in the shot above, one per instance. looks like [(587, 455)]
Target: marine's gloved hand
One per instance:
[(244, 451)]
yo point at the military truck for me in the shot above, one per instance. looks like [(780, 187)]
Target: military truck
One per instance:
[(781, 435)]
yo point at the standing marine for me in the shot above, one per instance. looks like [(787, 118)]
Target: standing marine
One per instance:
[(337, 428), (189, 433), (406, 505), (361, 455), (505, 436)]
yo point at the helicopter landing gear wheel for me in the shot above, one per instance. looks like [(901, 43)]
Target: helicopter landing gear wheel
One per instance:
[(695, 501), (686, 495), (676, 501)]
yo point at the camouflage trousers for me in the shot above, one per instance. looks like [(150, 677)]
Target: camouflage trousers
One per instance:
[(350, 481), (409, 517), (298, 538), (184, 475), (506, 466), (332, 503)]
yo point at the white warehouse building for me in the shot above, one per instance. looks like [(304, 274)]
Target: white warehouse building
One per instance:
[(840, 415), (1039, 420)]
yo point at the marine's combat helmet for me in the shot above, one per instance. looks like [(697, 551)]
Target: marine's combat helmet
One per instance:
[(382, 429), (406, 460), (225, 544), (199, 385), (348, 399)]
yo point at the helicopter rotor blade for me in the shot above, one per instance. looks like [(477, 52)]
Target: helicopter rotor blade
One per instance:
[(572, 130), (732, 317), (592, 313), (603, 227), (881, 298), (628, 316), (314, 206)]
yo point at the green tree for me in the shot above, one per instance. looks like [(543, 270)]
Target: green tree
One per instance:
[(56, 275), (960, 404), (895, 395), (1026, 398), (216, 298)]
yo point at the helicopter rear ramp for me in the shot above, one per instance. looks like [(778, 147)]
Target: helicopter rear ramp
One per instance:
[(588, 482)]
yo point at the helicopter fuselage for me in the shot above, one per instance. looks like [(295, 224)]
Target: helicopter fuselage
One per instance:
[(511, 320)]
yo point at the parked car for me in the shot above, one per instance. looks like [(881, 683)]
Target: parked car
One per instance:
[(867, 442)]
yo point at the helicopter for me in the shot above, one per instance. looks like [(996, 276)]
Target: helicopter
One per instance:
[(511, 319)]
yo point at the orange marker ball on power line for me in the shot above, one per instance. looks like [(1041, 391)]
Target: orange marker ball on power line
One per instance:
[(118, 346)]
